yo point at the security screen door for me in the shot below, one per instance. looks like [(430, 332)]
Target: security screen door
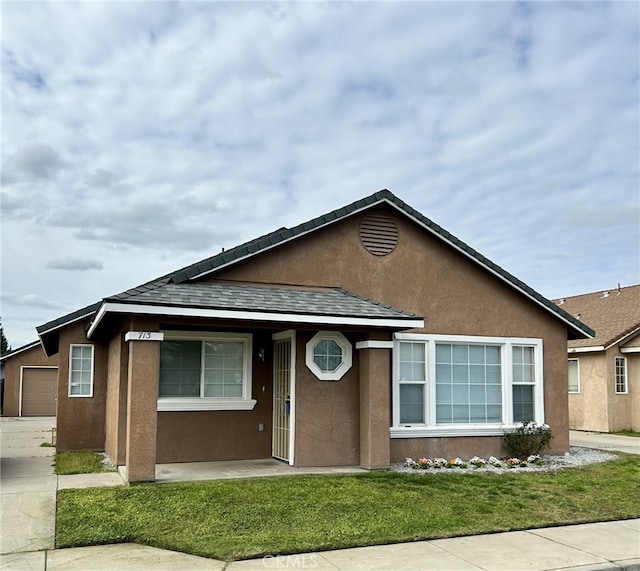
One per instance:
[(281, 399)]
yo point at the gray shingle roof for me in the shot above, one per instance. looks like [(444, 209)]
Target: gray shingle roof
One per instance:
[(260, 298)]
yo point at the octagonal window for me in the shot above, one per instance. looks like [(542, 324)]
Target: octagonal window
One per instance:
[(329, 355)]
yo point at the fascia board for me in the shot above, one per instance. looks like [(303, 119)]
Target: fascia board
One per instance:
[(109, 307)]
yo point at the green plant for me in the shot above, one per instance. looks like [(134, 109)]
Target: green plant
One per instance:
[(528, 439), (46, 445)]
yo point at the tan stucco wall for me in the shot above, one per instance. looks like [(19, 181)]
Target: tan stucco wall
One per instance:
[(633, 361), (597, 407), (116, 404), (34, 357), (588, 409), (619, 404), (81, 420), (222, 435), (424, 276), (327, 414)]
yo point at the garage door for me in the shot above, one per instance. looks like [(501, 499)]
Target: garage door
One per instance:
[(39, 391)]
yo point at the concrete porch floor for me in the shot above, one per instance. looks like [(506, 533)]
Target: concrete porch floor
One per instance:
[(229, 469)]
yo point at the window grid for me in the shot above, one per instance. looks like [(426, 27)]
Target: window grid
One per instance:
[(574, 375), (81, 371), (621, 375), (487, 377), (524, 374), (412, 383), (468, 384), (208, 368)]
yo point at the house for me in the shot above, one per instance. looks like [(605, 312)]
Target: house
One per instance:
[(604, 372), (30, 381), (361, 337)]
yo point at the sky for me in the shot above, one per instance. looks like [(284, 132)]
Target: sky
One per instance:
[(139, 137)]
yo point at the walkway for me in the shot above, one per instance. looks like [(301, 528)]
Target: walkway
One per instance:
[(28, 518), (605, 441)]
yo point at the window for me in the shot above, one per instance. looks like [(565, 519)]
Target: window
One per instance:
[(574, 376), (81, 371), (621, 375), (329, 355), (454, 385), (412, 382), (205, 372)]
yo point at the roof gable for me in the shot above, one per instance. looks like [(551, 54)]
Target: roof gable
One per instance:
[(281, 236), (209, 266)]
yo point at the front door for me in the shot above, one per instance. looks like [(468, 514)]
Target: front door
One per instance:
[(283, 359)]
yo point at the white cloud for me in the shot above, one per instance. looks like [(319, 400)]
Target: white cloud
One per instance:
[(149, 135)]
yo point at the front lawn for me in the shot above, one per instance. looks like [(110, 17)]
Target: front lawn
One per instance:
[(236, 519), (79, 463)]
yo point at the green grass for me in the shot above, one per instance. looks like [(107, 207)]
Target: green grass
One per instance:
[(78, 463), (46, 445), (236, 519), (627, 433)]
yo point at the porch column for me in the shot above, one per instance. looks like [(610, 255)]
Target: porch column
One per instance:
[(375, 402), (142, 405)]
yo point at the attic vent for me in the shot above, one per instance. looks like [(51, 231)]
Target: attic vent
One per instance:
[(378, 234)]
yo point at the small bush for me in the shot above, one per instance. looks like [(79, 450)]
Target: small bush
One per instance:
[(528, 439)]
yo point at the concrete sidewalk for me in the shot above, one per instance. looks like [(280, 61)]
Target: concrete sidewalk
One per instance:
[(29, 490), (605, 441)]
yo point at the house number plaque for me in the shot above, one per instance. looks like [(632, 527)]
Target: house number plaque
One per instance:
[(143, 336)]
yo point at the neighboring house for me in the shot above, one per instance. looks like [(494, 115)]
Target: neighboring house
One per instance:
[(361, 337), (30, 382), (604, 372)]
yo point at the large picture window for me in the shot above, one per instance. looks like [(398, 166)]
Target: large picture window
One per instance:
[(211, 372), (81, 371), (448, 385)]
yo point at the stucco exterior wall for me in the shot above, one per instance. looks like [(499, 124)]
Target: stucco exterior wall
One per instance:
[(81, 420), (588, 408), (633, 361), (116, 402), (327, 429), (423, 275), (620, 413), (598, 407), (222, 435), (34, 357)]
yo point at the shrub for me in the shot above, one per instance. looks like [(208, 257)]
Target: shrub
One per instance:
[(528, 439)]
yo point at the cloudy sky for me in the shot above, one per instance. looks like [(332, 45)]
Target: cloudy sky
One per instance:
[(139, 137)]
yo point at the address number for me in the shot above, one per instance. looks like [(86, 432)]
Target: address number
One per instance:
[(144, 336)]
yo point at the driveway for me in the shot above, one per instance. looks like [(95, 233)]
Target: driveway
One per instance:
[(605, 441), (28, 495)]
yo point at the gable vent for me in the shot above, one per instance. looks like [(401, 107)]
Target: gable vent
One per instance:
[(378, 234)]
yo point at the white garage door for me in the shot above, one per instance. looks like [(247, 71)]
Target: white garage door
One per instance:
[(39, 391)]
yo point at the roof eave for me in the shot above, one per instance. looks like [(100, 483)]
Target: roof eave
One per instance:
[(398, 323)]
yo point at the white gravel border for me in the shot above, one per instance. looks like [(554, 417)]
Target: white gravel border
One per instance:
[(576, 457)]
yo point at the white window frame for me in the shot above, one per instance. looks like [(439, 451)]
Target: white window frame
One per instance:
[(577, 362), (430, 428), (625, 378), (347, 355), (93, 353), (213, 403)]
